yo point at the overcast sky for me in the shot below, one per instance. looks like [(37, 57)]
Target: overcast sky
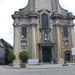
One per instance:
[(7, 8)]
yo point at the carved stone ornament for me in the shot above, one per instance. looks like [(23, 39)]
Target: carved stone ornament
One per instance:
[(66, 43), (23, 43)]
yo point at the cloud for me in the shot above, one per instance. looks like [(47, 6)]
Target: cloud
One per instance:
[(1, 0), (68, 4), (7, 8)]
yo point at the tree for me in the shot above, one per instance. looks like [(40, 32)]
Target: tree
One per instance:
[(24, 56), (11, 57)]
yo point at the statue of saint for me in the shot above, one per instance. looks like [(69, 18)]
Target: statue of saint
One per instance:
[(45, 36)]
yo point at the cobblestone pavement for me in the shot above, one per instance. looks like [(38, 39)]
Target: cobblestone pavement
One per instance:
[(66, 70)]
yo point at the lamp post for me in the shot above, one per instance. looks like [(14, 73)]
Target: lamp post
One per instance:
[(66, 44)]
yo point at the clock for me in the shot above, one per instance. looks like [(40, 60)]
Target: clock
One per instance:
[(44, 1)]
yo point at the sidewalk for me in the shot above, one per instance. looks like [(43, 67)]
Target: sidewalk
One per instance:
[(43, 66), (48, 66)]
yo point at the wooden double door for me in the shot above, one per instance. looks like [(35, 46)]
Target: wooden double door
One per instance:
[(46, 54)]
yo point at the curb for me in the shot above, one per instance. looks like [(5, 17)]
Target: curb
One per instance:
[(38, 67)]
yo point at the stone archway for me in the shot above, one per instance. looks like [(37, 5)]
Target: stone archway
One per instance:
[(45, 51)]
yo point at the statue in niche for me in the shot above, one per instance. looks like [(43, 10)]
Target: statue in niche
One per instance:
[(45, 35)]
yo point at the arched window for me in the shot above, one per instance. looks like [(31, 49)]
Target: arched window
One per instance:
[(44, 20)]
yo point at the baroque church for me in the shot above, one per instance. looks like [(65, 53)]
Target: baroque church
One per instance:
[(45, 30)]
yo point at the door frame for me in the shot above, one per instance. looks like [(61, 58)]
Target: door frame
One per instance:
[(50, 52)]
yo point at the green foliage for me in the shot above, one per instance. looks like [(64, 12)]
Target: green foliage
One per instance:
[(24, 56), (55, 62), (11, 57)]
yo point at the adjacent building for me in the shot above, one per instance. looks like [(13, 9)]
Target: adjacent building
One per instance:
[(5, 48), (45, 30)]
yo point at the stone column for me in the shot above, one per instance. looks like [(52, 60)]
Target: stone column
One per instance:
[(16, 45), (72, 40), (54, 5), (40, 55), (33, 42), (72, 37), (58, 42), (32, 5), (52, 57)]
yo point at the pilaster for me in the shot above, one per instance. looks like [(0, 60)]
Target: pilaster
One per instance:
[(58, 42), (16, 45), (72, 37), (33, 43), (32, 5), (40, 55), (54, 5), (52, 55)]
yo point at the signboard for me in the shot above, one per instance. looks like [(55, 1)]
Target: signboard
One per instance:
[(73, 51), (33, 61)]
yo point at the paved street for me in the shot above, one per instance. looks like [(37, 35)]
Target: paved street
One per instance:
[(35, 70)]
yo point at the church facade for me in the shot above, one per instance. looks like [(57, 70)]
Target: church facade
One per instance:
[(45, 30)]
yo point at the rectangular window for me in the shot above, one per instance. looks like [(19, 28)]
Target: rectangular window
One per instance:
[(65, 31), (44, 20), (24, 31)]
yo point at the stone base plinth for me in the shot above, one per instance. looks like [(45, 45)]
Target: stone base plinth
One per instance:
[(16, 63), (65, 65), (61, 61)]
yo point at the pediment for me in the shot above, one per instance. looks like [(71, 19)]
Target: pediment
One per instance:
[(46, 43)]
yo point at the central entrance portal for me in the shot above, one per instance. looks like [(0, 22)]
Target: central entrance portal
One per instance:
[(46, 54)]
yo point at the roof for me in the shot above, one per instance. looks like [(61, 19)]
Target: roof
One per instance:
[(5, 44)]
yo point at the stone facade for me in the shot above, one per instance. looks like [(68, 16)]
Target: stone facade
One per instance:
[(49, 31)]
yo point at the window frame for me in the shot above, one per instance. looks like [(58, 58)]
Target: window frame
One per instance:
[(65, 31), (42, 20), (25, 35)]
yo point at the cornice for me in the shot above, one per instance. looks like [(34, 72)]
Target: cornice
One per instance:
[(54, 16), (33, 14)]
